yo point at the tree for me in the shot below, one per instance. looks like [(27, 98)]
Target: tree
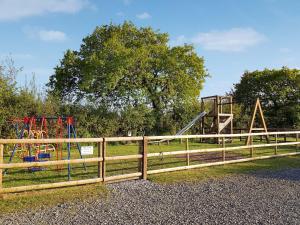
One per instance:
[(20, 101), (123, 67), (279, 92)]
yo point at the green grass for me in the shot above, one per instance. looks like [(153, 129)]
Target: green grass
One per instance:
[(196, 175), (47, 198)]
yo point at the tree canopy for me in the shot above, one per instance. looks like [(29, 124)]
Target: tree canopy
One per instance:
[(130, 71), (279, 92)]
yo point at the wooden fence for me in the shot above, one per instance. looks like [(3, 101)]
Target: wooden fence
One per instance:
[(143, 156)]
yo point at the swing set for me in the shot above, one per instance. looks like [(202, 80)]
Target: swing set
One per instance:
[(36, 127)]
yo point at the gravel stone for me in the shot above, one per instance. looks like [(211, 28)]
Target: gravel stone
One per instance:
[(259, 198)]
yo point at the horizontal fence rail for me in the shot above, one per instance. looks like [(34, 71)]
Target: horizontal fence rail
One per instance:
[(143, 156)]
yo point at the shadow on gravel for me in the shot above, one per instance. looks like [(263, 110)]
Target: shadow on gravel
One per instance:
[(287, 174)]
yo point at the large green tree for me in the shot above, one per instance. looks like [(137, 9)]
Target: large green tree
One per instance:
[(279, 92), (127, 69)]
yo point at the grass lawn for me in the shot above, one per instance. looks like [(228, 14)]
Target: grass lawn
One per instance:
[(15, 203), (215, 172)]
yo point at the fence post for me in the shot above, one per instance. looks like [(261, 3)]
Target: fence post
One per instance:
[(103, 156), (241, 132), (223, 146), (99, 163), (1, 171), (251, 149), (276, 141), (144, 162), (187, 154), (297, 137)]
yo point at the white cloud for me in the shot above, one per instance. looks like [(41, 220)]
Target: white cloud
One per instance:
[(233, 40), (143, 16), (17, 9), (52, 35), (45, 35)]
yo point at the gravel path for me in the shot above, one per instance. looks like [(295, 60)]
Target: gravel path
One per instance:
[(261, 198)]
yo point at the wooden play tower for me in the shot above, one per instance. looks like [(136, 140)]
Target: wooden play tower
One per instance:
[(219, 119)]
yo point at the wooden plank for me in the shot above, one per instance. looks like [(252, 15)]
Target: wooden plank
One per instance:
[(111, 139), (231, 111), (263, 119), (85, 140), (223, 146), (184, 152), (123, 157), (219, 135), (252, 121), (121, 180), (104, 146), (123, 176), (145, 161), (64, 162), (297, 137), (208, 97), (258, 129), (50, 140), (1, 171), (219, 163), (49, 163), (187, 154), (99, 145), (48, 186), (276, 146), (251, 146)]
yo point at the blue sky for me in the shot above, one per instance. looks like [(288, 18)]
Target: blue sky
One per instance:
[(231, 35)]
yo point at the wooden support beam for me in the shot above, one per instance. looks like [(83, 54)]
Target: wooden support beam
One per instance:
[(235, 148), (187, 154), (276, 146), (49, 140), (251, 147), (104, 146), (123, 176), (144, 159), (219, 163), (49, 163), (100, 156), (223, 146), (1, 171), (48, 186), (258, 108), (297, 137)]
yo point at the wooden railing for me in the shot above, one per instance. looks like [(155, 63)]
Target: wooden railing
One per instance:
[(143, 156)]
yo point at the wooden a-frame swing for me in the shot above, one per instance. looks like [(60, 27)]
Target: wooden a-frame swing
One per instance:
[(264, 129)]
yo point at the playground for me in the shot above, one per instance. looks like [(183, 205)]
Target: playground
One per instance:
[(47, 153)]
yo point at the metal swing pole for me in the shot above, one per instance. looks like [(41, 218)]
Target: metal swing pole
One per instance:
[(78, 145), (69, 150), (20, 137)]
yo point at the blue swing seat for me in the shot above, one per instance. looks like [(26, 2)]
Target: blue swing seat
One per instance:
[(42, 157)]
